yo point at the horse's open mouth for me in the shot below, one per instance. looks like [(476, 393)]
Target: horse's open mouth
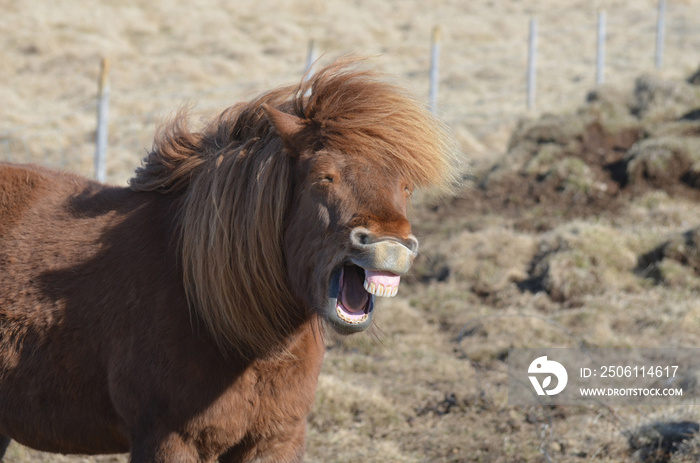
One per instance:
[(352, 291)]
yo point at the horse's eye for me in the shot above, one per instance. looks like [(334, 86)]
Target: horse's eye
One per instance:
[(408, 191), (327, 179)]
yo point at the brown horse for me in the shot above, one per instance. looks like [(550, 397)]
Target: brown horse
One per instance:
[(179, 319)]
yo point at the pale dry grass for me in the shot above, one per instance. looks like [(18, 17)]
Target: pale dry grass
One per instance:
[(169, 53)]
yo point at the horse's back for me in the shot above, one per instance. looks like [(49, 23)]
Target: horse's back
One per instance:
[(20, 186), (39, 229)]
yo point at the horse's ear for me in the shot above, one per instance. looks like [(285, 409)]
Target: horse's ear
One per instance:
[(286, 125)]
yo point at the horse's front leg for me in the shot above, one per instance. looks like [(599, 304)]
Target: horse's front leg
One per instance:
[(171, 449), (285, 447)]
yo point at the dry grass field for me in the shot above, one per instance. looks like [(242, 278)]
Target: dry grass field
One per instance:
[(581, 224)]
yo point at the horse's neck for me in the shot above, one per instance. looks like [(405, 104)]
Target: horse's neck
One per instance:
[(304, 349), (289, 378)]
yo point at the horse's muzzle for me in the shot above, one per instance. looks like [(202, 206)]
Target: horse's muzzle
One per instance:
[(383, 253), (373, 269)]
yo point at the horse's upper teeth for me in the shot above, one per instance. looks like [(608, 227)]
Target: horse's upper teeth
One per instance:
[(380, 290)]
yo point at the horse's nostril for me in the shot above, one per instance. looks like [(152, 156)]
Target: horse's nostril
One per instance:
[(360, 237), (363, 239), (412, 243)]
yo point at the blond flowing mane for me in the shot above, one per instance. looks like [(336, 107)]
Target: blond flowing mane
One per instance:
[(234, 181)]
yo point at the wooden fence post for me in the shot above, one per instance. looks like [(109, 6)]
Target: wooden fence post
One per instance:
[(600, 55), (532, 64), (660, 34), (311, 56), (434, 69), (102, 123)]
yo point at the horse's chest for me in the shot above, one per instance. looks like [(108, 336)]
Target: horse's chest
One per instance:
[(264, 405), (278, 394)]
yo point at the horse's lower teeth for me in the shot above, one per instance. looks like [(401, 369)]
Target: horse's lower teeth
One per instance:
[(347, 319)]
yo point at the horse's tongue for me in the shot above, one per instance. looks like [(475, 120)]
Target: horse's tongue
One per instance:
[(353, 295)]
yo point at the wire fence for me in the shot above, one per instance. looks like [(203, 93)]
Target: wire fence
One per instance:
[(483, 87)]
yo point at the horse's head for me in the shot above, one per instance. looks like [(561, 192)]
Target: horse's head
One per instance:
[(347, 237), (298, 199)]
